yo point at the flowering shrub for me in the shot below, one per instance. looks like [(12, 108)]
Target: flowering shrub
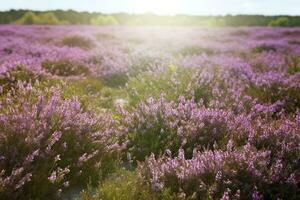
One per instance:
[(245, 173), (155, 126), (48, 144), (10, 78), (203, 113), (197, 84), (276, 88), (152, 84), (266, 166)]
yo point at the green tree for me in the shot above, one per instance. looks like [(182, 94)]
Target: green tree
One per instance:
[(104, 20), (28, 18), (280, 21), (43, 18), (48, 18)]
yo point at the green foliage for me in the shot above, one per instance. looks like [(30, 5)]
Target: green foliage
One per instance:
[(105, 36), (144, 141), (77, 41), (276, 92), (264, 47), (195, 50), (76, 139), (116, 80), (92, 92), (173, 82), (294, 69), (126, 185), (293, 64), (74, 17), (280, 21), (104, 20), (88, 90), (9, 81), (141, 64), (50, 18), (30, 18), (294, 42), (65, 68)]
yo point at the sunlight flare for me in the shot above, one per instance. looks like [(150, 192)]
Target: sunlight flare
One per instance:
[(165, 7)]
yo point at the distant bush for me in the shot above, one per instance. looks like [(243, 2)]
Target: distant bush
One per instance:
[(264, 47), (116, 80), (290, 32), (104, 20), (281, 21), (294, 42), (30, 18), (195, 50), (65, 68), (77, 41), (49, 18)]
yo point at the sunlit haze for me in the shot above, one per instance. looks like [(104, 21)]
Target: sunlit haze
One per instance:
[(165, 7), (159, 6)]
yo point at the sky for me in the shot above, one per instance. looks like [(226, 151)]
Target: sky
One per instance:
[(163, 7)]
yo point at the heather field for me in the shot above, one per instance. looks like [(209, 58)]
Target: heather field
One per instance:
[(149, 113)]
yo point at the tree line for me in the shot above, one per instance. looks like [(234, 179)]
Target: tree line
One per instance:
[(88, 18)]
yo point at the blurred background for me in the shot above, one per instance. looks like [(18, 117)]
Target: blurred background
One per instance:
[(155, 12)]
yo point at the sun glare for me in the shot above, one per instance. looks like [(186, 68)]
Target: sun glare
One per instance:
[(161, 7)]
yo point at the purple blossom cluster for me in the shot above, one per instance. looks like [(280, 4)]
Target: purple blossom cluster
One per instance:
[(206, 113), (159, 125), (51, 142), (31, 47), (266, 164), (248, 150)]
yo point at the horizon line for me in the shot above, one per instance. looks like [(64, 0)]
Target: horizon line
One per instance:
[(149, 13)]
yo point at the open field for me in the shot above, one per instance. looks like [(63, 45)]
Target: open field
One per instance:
[(149, 112)]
